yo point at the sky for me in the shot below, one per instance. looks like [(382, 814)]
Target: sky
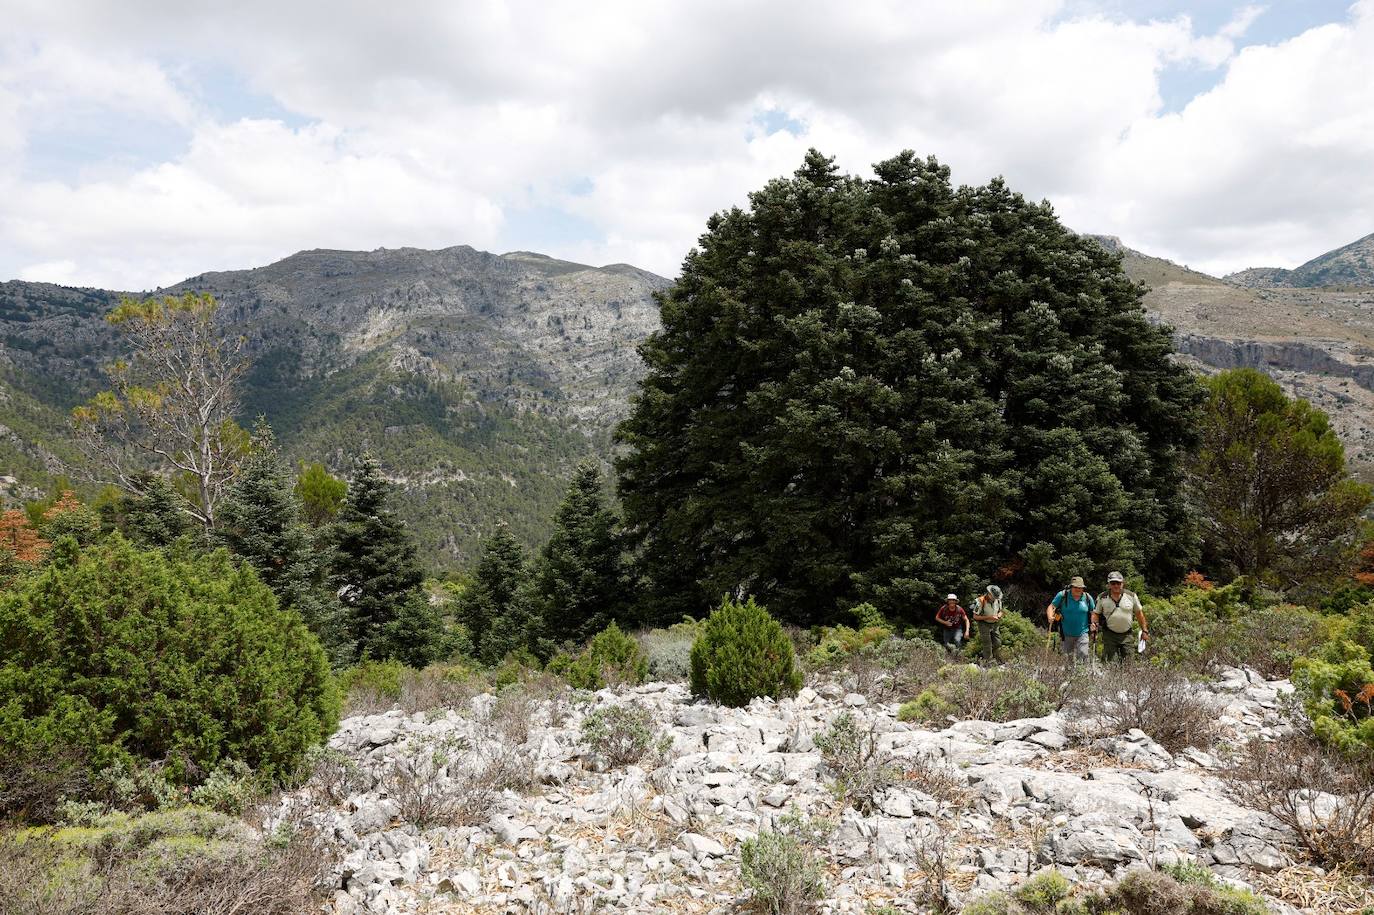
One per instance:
[(145, 141)]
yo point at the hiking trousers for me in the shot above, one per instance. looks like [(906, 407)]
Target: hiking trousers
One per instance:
[(1078, 648), (953, 638), (1117, 646), (991, 634)]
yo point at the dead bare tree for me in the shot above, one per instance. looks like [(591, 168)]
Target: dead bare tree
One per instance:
[(171, 405)]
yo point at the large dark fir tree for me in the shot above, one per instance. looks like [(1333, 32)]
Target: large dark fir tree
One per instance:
[(886, 389)]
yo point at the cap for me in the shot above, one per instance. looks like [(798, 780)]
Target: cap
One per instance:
[(1115, 576), (1077, 582), (951, 597)]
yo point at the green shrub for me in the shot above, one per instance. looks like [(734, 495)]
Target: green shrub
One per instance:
[(516, 667), (743, 653), (1043, 892), (782, 869), (623, 734), (611, 658), (1337, 690), (1197, 628), (128, 654), (835, 644), (229, 789), (383, 678), (1143, 892)]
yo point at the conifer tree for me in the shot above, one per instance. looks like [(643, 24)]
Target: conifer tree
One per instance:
[(376, 570), (489, 608), (321, 494), (886, 389), (579, 582), (260, 521), (156, 515)]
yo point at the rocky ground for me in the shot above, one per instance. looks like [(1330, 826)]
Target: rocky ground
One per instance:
[(981, 805)]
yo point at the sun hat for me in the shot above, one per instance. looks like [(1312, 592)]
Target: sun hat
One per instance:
[(1077, 582), (1115, 576), (995, 591), (951, 597)]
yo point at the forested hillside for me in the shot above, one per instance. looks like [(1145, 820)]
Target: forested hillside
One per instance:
[(478, 381)]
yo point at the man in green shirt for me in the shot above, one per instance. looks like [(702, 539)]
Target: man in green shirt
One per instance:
[(1073, 608), (1117, 611)]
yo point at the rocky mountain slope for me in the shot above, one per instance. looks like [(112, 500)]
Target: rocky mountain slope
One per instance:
[(1317, 342), (1350, 265), (477, 379), (987, 804)]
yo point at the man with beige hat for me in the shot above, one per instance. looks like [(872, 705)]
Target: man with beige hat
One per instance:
[(1073, 608)]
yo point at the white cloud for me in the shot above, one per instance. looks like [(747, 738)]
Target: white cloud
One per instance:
[(426, 122)]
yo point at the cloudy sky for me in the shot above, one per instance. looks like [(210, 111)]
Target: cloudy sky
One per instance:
[(143, 141)]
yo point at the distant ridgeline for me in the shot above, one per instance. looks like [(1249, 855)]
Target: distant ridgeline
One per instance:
[(478, 380)]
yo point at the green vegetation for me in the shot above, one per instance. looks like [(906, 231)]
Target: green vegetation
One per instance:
[(623, 734), (782, 868), (580, 583), (883, 390), (119, 654), (375, 567), (493, 607), (1277, 504), (742, 653), (611, 658)]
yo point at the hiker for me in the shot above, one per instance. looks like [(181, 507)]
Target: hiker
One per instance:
[(987, 613), (954, 620), (1073, 608), (1118, 610)]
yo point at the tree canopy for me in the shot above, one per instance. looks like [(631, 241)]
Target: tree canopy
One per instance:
[(886, 389), (1277, 503)]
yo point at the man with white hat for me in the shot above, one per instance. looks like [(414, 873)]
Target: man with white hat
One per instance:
[(953, 620), (1073, 608), (1117, 611)]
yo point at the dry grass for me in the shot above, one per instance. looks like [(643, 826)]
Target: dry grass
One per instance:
[(43, 875), (1332, 892)]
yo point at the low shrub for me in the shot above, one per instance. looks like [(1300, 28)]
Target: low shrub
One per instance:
[(230, 788), (381, 677), (860, 768), (36, 780), (1325, 797), (1161, 702), (835, 644), (515, 667), (1187, 890), (623, 734), (450, 782), (611, 658), (161, 864), (1337, 691), (783, 869), (883, 670), (669, 651), (742, 653), (1042, 893), (967, 691)]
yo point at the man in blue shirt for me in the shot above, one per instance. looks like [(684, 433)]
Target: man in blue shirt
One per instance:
[(1073, 607)]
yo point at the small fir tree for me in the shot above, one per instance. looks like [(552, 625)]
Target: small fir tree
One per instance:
[(378, 575), (487, 607), (579, 583), (157, 515)]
